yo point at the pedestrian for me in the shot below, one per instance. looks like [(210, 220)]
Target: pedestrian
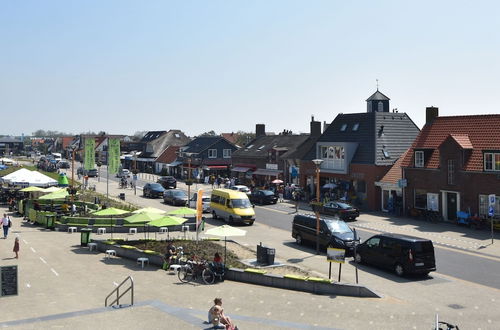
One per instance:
[(16, 247), (6, 223), (73, 209), (280, 194), (217, 317)]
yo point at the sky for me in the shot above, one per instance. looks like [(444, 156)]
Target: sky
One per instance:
[(124, 66)]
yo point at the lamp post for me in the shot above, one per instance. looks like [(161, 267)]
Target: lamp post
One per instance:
[(317, 162), (189, 156)]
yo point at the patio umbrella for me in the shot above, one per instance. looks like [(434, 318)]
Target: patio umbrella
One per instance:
[(183, 211), (167, 221), (111, 211), (329, 186), (149, 210), (60, 194), (226, 230), (31, 189), (51, 189), (143, 217), (277, 181)]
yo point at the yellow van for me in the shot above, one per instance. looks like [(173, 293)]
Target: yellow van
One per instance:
[(232, 206)]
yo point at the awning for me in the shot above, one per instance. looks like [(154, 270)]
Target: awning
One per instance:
[(241, 169), (217, 167), (174, 163), (263, 171)]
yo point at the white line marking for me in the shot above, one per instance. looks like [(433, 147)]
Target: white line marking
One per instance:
[(32, 249), (25, 241), (53, 271), (28, 285), (43, 260), (116, 284)]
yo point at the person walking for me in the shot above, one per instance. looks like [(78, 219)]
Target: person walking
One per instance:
[(16, 247), (6, 223)]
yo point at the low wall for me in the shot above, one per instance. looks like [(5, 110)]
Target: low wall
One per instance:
[(271, 280)]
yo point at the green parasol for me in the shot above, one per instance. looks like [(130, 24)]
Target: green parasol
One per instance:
[(149, 210), (51, 189), (167, 221), (143, 217), (60, 194), (111, 211), (31, 189)]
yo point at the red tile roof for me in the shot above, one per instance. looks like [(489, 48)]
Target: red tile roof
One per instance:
[(231, 137), (168, 155), (482, 131), (395, 173)]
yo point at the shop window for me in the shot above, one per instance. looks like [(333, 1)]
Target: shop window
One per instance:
[(420, 199), (361, 186)]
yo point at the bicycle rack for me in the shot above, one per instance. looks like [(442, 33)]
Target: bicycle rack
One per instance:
[(118, 295)]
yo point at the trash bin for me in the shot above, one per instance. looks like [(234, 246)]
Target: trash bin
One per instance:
[(50, 224), (270, 256), (265, 255), (85, 236), (122, 196)]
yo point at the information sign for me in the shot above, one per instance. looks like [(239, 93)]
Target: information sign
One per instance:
[(8, 281)]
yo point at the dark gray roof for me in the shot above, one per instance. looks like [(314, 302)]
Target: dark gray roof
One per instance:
[(202, 143), (395, 138), (8, 139), (152, 135), (378, 96), (258, 147)]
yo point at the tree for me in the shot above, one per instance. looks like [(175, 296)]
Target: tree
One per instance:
[(138, 135), (209, 133), (242, 138)]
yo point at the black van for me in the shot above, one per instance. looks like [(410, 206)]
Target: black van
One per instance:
[(332, 232), (401, 253)]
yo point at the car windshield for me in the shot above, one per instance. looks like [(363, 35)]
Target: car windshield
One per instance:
[(156, 186), (267, 192), (241, 203), (206, 199), (337, 226), (178, 193), (344, 205)]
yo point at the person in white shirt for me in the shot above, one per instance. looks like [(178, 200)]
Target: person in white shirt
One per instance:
[(5, 225)]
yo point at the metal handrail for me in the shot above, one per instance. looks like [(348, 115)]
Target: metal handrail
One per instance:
[(118, 295)]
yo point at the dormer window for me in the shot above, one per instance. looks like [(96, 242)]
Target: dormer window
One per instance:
[(386, 153), (492, 161), (419, 159), (355, 127), (343, 127)]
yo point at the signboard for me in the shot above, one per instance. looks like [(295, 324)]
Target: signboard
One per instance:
[(89, 156), (113, 155), (8, 281), (402, 183), (335, 255), (491, 204), (271, 166)]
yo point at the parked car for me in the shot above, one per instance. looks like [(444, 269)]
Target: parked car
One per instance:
[(153, 190), (333, 232), (167, 182), (242, 188), (263, 197), (341, 209), (123, 173), (205, 202), (401, 253), (175, 197), (63, 164), (92, 172)]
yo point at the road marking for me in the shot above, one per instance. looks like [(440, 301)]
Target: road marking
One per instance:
[(53, 271), (28, 285), (43, 260), (453, 278), (25, 241), (268, 209), (116, 284), (32, 249)]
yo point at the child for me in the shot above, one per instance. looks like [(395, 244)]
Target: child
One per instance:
[(16, 247)]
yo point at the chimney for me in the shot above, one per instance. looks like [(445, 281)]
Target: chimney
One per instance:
[(260, 130), (315, 127), (431, 113), (325, 126)]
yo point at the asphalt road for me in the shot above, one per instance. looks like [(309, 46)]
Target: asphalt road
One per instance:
[(463, 265), (459, 264)]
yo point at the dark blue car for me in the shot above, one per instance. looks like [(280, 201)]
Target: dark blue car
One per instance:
[(153, 190)]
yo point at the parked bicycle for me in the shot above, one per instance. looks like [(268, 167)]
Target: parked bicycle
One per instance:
[(194, 269)]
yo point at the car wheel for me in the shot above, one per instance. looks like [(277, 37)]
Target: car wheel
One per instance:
[(231, 220), (399, 269), (358, 258), (298, 239), (214, 215)]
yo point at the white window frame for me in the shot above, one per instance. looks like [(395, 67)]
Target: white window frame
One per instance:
[(419, 159), (226, 153), (333, 157), (484, 205), (451, 171), (212, 153), (492, 161)]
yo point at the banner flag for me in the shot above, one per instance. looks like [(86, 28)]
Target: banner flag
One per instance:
[(113, 155), (89, 156)]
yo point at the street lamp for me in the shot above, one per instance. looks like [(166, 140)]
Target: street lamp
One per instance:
[(317, 162), (188, 181)]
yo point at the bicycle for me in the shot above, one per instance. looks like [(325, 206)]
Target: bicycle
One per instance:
[(194, 269)]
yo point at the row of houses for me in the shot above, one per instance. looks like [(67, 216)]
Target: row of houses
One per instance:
[(378, 159)]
